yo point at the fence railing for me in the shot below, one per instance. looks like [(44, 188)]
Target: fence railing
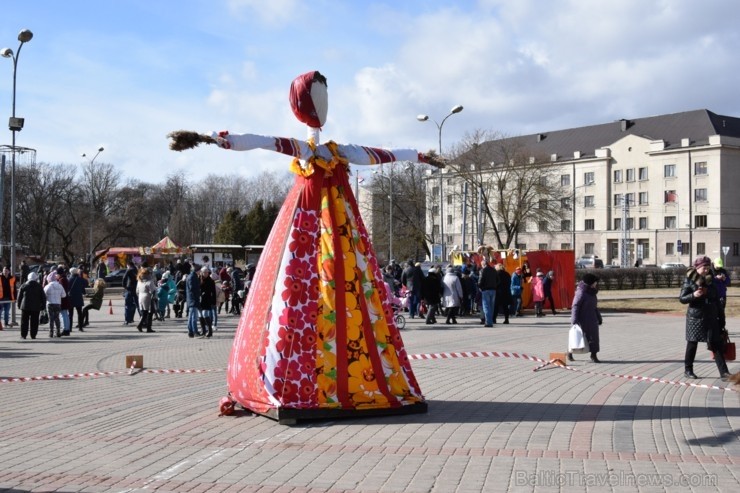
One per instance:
[(640, 277)]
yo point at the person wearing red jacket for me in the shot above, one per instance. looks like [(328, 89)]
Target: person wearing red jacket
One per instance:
[(7, 293)]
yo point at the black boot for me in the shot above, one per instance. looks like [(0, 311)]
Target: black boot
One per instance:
[(594, 359), (202, 327), (210, 329)]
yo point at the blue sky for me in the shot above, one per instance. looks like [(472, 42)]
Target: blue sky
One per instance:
[(123, 73)]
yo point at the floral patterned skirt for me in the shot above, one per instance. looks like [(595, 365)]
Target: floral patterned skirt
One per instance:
[(317, 331)]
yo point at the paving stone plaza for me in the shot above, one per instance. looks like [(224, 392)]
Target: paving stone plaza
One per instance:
[(493, 423)]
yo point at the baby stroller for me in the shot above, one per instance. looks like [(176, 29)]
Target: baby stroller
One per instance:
[(398, 317)]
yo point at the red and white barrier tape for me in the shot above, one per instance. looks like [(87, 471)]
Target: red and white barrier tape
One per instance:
[(425, 356), (71, 376), (496, 354)]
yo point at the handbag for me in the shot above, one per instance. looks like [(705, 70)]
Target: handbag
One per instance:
[(729, 352), (577, 343), (44, 317)]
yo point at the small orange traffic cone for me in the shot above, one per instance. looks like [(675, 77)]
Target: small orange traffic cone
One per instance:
[(110, 305)]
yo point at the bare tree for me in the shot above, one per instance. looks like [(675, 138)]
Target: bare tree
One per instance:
[(515, 186)]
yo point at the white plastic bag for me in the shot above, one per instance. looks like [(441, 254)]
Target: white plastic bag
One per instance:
[(577, 343)]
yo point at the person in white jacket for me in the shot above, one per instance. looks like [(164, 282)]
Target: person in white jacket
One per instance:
[(54, 294), (452, 294)]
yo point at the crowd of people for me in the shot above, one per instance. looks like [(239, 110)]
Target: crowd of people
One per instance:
[(54, 294), (201, 293), (197, 292), (467, 290)]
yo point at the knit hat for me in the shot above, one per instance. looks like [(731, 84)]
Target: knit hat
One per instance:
[(550, 273), (33, 276), (702, 260), (590, 279), (718, 263)]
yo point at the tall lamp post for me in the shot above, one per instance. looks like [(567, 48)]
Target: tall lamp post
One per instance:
[(15, 125), (100, 149), (390, 221), (423, 118)]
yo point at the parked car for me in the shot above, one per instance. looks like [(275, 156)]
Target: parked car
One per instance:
[(115, 278), (673, 265), (589, 262)]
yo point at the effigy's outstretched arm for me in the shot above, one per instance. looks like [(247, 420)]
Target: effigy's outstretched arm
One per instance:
[(355, 154)]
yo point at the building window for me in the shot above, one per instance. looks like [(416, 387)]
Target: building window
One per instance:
[(588, 201), (565, 203), (643, 223), (630, 223), (700, 168), (700, 194), (670, 222), (588, 178), (435, 191), (670, 196), (435, 210), (617, 199), (617, 176), (565, 225), (542, 225), (735, 249), (643, 198), (588, 248), (542, 246), (701, 248), (669, 248), (566, 246), (642, 174), (449, 200), (669, 170), (521, 246), (501, 226), (700, 221), (435, 229), (631, 174), (543, 204), (629, 198), (588, 225), (564, 180), (449, 219), (617, 223)]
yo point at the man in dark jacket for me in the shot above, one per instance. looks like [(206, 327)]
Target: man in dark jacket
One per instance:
[(129, 294), (192, 297), (487, 283), (432, 294), (503, 294), (413, 279), (31, 300)]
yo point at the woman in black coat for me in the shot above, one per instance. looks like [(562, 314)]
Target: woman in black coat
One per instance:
[(586, 313), (31, 300), (705, 316)]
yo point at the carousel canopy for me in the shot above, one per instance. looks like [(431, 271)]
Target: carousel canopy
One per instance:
[(166, 246)]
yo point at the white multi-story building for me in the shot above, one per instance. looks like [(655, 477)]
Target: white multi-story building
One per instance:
[(661, 189)]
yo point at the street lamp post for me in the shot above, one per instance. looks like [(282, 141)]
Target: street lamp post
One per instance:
[(92, 212), (15, 125), (390, 221), (423, 118)]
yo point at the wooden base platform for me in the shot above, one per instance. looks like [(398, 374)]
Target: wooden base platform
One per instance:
[(286, 416)]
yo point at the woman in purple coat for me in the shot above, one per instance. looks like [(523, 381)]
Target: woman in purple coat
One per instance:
[(586, 314)]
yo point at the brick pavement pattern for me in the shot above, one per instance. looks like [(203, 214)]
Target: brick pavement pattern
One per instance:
[(493, 423)]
